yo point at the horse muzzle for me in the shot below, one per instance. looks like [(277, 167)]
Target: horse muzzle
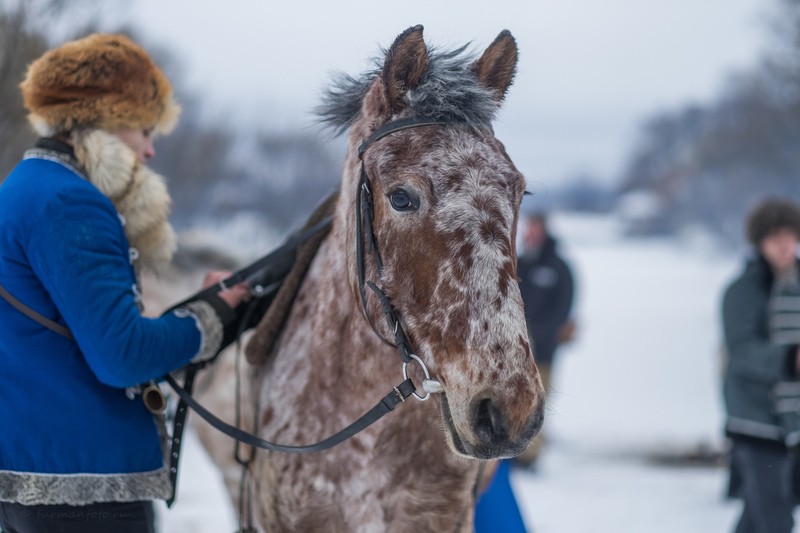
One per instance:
[(488, 432)]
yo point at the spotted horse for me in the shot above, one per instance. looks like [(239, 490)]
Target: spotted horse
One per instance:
[(424, 231)]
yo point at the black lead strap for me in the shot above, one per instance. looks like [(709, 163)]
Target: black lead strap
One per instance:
[(396, 396), (177, 430)]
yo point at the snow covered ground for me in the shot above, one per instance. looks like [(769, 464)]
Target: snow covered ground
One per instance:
[(640, 381)]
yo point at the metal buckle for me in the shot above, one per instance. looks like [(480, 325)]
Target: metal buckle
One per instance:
[(399, 394), (428, 385)]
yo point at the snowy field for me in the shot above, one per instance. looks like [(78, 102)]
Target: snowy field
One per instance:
[(641, 381)]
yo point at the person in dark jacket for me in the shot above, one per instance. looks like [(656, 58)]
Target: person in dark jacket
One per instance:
[(547, 288), (80, 217), (762, 356)]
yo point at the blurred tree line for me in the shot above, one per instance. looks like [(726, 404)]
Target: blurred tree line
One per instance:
[(700, 165), (708, 164), (214, 169)]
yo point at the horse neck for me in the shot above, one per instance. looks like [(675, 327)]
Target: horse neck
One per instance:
[(333, 279), (342, 272)]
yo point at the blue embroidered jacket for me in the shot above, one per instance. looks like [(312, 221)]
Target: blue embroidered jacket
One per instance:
[(66, 422)]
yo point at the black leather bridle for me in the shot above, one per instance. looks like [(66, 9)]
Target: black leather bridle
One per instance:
[(364, 231)]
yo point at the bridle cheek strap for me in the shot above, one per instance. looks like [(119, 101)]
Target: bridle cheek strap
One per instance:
[(364, 231)]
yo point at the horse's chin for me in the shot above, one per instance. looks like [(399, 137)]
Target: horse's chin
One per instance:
[(462, 447), (453, 438)]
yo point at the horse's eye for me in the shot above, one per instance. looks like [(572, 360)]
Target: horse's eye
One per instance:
[(402, 200)]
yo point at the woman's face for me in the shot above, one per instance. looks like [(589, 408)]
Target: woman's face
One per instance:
[(779, 248), (140, 140)]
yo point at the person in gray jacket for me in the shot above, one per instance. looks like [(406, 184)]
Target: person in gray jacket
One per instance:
[(758, 361)]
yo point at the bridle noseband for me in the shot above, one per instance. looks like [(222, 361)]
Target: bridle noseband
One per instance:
[(364, 230)]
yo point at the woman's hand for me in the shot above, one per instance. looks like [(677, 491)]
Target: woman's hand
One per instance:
[(232, 296)]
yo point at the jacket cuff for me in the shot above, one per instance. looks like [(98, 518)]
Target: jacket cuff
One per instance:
[(210, 324)]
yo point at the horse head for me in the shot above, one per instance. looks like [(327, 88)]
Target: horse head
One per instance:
[(445, 204)]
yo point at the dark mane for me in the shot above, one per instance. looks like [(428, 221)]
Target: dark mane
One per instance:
[(449, 91)]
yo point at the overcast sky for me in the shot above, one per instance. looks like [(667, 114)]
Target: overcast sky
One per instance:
[(589, 70)]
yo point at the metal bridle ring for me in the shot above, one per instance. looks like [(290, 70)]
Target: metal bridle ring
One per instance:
[(424, 370)]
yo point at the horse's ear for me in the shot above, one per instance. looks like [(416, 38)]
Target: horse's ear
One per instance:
[(498, 64), (404, 67)]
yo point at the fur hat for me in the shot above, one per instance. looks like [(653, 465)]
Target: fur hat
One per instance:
[(101, 81)]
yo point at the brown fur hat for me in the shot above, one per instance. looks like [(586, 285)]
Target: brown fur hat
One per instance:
[(771, 215), (101, 81)]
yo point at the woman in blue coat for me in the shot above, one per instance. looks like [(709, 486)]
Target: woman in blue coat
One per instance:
[(80, 216)]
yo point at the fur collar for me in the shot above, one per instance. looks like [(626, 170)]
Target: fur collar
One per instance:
[(139, 194)]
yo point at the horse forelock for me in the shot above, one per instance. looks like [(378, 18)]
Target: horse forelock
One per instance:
[(449, 92)]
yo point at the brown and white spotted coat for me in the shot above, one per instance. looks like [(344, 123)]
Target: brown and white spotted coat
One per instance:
[(450, 270)]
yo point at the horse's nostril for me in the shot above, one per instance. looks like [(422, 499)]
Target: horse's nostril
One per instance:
[(489, 422)]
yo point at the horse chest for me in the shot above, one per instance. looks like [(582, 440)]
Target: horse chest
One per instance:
[(375, 482)]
